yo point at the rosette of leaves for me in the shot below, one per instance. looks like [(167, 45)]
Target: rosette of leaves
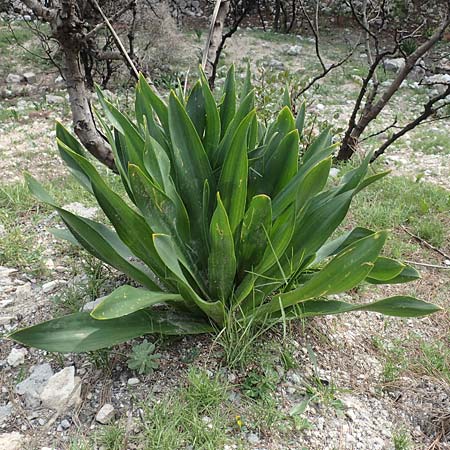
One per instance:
[(143, 358), (224, 218)]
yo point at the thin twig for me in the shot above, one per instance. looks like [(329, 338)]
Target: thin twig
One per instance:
[(426, 243), (113, 18), (434, 266), (117, 39), (210, 33)]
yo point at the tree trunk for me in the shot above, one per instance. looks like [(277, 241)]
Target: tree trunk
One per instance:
[(212, 52), (83, 122), (68, 29)]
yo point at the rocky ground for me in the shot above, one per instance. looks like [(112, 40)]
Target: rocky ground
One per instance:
[(358, 381)]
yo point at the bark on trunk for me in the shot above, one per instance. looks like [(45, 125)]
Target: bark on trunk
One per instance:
[(83, 122), (214, 40), (68, 30)]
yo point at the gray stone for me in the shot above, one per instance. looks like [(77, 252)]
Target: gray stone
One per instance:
[(23, 291), (105, 414), (80, 210), (62, 390), (6, 303), (89, 306), (65, 424), (6, 271), (6, 320), (50, 286), (13, 78), (59, 80), (11, 441), (2, 230), (294, 50), (30, 77), (17, 357), (5, 412), (393, 64), (417, 73), (275, 64), (31, 388), (253, 438), (439, 81), (54, 99), (133, 381)]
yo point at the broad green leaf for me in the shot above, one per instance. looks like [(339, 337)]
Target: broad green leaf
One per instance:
[(167, 252), (336, 245), (318, 222), (369, 180), (157, 208), (222, 259), (247, 86), (127, 299), (287, 97), (192, 167), (407, 275), (398, 306), (134, 140), (385, 269), (289, 194), (342, 273), (65, 235), (212, 129), (195, 108), (320, 143), (124, 219), (79, 332), (155, 101), (63, 137), (279, 240), (246, 106), (228, 105), (283, 125), (313, 182), (281, 165), (68, 139), (256, 227), (233, 178), (97, 239), (300, 120)]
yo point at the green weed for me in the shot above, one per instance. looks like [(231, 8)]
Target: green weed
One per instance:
[(194, 415)]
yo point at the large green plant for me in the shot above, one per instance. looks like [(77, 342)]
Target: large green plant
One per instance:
[(225, 217)]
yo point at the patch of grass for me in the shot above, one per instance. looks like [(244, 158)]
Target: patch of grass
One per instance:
[(432, 141), (80, 444), (260, 383), (19, 249), (401, 439), (434, 359), (195, 415), (111, 437), (395, 358), (396, 201), (22, 33), (432, 230)]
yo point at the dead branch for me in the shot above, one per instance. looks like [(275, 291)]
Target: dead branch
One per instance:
[(426, 243), (427, 112)]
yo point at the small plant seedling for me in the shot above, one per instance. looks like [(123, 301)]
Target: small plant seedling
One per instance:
[(143, 359)]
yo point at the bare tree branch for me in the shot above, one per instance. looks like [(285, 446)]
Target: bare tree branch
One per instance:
[(427, 112)]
